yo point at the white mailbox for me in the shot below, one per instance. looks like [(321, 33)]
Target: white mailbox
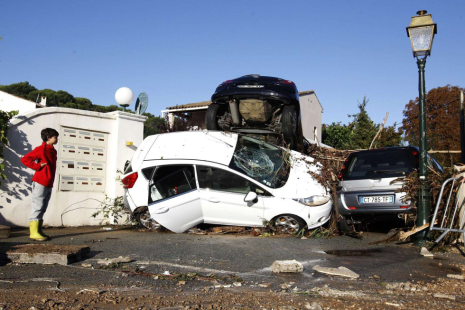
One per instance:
[(68, 151), (97, 184), (85, 137), (99, 139), (98, 154), (69, 135), (84, 152), (83, 168), (67, 167), (82, 184), (66, 183), (97, 169), (82, 160)]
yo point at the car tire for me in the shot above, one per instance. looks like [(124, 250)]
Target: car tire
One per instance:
[(289, 125), (145, 220), (289, 224), (211, 118)]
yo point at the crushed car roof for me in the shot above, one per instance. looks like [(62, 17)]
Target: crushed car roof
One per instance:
[(213, 146)]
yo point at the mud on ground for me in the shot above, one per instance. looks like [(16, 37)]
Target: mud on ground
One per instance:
[(120, 288)]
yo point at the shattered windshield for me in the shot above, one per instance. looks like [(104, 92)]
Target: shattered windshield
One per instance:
[(261, 161)]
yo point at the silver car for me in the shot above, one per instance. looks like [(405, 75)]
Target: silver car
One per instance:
[(369, 180)]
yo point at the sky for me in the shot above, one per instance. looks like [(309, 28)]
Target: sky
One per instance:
[(178, 52)]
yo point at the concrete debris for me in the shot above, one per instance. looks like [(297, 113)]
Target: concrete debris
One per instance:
[(237, 284), (86, 265), (326, 291), (166, 273), (109, 261), (439, 295), (392, 304), (265, 285), (196, 231), (406, 286), (4, 231), (223, 286), (313, 306), (86, 290), (456, 276), (424, 251), (341, 271), (49, 254), (287, 266)]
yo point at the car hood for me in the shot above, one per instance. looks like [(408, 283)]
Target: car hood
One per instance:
[(302, 182)]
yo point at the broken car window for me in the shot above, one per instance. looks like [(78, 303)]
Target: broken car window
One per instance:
[(261, 161), (221, 180), (170, 181)]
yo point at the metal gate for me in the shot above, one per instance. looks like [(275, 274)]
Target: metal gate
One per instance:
[(450, 212)]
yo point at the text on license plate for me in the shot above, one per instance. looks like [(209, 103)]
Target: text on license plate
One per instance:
[(250, 86), (377, 199)]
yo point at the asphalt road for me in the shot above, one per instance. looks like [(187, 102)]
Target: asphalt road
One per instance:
[(244, 256)]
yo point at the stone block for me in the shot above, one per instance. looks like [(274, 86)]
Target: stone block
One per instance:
[(287, 266), (46, 253)]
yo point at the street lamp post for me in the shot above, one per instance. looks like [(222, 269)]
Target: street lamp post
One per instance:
[(421, 32)]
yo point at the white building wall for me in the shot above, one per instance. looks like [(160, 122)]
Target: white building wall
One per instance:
[(311, 116), (10, 103), (68, 208)]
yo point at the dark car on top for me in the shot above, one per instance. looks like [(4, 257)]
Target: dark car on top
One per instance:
[(257, 105), (370, 180)]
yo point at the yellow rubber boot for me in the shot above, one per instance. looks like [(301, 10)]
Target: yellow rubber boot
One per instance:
[(34, 231), (41, 232)]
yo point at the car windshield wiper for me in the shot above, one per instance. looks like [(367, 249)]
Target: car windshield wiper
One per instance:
[(387, 171)]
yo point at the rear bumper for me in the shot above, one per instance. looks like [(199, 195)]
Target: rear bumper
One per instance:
[(255, 93), (349, 203), (128, 202)]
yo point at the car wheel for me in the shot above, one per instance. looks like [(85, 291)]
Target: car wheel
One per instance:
[(144, 220), (289, 224), (289, 125), (214, 111)]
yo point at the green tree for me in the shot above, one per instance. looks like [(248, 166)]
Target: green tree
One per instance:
[(389, 136), (335, 135), (153, 125), (4, 119), (83, 103), (363, 130), (21, 89)]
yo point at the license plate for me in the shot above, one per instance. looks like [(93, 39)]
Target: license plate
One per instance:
[(377, 199), (250, 86)]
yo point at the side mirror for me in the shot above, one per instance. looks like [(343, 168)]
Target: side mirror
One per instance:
[(251, 197)]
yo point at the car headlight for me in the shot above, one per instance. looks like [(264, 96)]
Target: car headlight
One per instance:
[(312, 201)]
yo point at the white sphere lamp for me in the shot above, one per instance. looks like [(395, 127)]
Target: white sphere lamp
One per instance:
[(124, 97)]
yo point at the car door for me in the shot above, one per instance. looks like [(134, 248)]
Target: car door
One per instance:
[(222, 195), (174, 200)]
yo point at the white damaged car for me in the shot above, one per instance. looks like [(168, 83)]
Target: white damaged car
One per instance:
[(182, 179)]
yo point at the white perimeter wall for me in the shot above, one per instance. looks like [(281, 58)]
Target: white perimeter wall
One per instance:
[(311, 116), (66, 208)]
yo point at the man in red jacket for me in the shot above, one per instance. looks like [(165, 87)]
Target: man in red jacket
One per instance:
[(43, 159)]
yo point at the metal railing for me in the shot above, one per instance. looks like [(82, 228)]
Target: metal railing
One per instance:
[(450, 212)]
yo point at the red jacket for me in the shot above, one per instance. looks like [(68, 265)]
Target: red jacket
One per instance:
[(44, 154)]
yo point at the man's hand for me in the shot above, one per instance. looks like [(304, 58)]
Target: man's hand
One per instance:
[(42, 165)]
